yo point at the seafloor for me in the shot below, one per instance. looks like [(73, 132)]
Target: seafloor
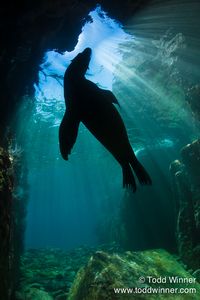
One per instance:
[(50, 272), (91, 273)]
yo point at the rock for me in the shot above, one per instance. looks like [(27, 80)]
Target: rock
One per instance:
[(196, 275), (7, 263), (186, 188), (191, 158), (36, 285), (192, 97), (36, 294), (51, 270), (106, 272), (62, 297)]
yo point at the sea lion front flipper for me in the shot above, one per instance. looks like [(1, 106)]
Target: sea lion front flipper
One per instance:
[(68, 132), (109, 96)]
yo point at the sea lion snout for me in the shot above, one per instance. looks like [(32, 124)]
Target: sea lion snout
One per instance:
[(80, 64), (87, 52)]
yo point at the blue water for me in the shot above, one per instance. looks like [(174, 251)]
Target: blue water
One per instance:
[(67, 199), (70, 202)]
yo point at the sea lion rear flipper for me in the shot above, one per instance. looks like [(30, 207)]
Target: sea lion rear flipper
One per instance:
[(68, 132), (139, 170), (128, 178)]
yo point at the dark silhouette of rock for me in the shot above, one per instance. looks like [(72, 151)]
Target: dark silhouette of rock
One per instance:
[(6, 259), (192, 98), (186, 187)]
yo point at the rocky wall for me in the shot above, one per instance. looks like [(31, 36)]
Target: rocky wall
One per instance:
[(13, 203), (6, 255), (186, 187)]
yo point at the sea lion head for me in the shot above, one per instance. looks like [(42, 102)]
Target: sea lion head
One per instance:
[(81, 61)]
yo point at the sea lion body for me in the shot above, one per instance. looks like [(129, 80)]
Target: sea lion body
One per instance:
[(93, 106)]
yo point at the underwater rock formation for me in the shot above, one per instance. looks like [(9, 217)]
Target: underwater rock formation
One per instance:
[(37, 294), (20, 198), (105, 272), (192, 97), (53, 270), (186, 186), (6, 257), (56, 274), (13, 202)]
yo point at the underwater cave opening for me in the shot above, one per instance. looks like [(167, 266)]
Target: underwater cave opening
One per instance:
[(78, 202), (68, 200)]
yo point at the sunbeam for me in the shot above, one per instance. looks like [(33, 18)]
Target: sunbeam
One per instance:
[(142, 62)]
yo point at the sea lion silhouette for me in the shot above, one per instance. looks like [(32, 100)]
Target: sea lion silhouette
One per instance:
[(93, 106)]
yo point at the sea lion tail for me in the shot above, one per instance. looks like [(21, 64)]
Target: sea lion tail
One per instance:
[(140, 171), (128, 178)]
